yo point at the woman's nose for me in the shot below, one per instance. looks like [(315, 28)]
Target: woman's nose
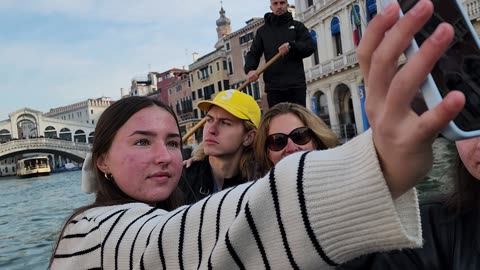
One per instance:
[(162, 154), (291, 147)]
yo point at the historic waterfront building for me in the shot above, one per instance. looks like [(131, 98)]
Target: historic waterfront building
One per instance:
[(335, 88), (208, 75), (473, 10), (154, 84), (143, 85), (87, 111)]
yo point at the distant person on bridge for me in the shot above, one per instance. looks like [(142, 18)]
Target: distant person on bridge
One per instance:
[(291, 218), (284, 79)]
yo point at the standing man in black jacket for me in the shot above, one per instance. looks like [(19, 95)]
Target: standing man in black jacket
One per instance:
[(284, 79)]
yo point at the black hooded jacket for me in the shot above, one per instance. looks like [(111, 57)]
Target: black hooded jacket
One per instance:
[(450, 242), (287, 72), (197, 181)]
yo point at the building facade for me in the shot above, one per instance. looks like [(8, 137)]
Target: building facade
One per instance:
[(236, 46), (335, 89), (180, 98), (87, 111), (143, 85), (164, 80), (208, 76)]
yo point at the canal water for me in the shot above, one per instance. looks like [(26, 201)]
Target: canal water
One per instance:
[(32, 212), (34, 209)]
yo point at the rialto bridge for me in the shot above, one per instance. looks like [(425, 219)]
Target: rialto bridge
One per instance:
[(28, 131)]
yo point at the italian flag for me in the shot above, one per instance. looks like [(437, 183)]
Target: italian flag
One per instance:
[(356, 24)]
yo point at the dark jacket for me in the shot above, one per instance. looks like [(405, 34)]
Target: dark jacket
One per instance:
[(450, 242), (197, 181), (286, 72)]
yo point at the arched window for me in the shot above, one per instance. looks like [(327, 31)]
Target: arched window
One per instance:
[(91, 137), (50, 132), (80, 136), (5, 135), (65, 134), (336, 35), (371, 6), (356, 24)]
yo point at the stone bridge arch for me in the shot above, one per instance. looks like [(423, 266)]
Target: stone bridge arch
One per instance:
[(27, 125), (71, 150)]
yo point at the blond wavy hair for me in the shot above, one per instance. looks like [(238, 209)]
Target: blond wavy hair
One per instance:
[(323, 134)]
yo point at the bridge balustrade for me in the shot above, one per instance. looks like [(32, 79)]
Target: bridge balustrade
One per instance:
[(80, 149)]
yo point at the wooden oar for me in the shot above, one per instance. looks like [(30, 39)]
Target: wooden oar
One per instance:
[(245, 84)]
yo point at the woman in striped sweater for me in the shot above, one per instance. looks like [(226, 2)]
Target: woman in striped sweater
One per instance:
[(312, 211)]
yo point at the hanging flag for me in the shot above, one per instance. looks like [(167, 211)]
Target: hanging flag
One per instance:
[(356, 24), (313, 34)]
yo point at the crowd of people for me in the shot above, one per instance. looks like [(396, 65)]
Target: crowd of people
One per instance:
[(276, 191)]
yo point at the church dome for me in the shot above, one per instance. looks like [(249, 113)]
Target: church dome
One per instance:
[(223, 20)]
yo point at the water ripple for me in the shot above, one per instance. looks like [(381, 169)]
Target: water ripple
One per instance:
[(33, 211)]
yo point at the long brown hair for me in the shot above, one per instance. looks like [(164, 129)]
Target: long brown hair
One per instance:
[(323, 134), (111, 120), (466, 190)]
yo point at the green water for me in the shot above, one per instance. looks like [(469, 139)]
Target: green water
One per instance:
[(438, 180)]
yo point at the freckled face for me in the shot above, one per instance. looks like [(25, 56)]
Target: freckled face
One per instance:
[(145, 158), (469, 151), (285, 123)]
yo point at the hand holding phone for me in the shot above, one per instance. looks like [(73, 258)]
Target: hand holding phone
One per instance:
[(457, 69)]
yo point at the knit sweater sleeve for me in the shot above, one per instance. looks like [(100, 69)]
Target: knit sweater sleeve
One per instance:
[(313, 211)]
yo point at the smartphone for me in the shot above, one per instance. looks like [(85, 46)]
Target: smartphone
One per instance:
[(457, 69)]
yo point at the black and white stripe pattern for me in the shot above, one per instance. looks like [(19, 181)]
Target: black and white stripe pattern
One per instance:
[(273, 223)]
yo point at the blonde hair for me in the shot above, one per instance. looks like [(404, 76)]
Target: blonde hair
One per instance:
[(246, 159), (323, 135)]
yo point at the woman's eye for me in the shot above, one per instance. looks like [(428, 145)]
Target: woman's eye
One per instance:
[(142, 142), (174, 144)]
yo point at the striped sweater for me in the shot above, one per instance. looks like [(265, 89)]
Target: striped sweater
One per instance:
[(312, 211)]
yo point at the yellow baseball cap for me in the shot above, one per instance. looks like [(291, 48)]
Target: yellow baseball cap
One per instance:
[(239, 104)]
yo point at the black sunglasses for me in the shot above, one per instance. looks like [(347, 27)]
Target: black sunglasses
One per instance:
[(299, 136)]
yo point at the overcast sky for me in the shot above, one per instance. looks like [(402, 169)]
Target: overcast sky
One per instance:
[(58, 52)]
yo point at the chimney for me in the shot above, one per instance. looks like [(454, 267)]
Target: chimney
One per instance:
[(195, 57), (123, 92)]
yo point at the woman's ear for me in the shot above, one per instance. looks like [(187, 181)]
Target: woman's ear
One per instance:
[(102, 163), (249, 137)]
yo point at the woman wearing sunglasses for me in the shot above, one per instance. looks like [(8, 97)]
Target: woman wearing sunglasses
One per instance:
[(288, 128)]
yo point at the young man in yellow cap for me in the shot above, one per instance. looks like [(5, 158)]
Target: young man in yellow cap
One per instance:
[(225, 158)]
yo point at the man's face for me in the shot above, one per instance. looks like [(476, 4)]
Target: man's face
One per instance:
[(279, 7), (223, 134)]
